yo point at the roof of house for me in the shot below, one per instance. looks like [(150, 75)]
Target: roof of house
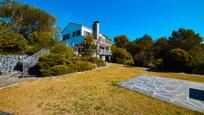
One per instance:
[(75, 24)]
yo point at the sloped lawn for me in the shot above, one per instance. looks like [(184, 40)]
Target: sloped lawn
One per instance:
[(93, 92)]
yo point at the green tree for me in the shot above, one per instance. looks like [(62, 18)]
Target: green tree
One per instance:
[(11, 42), (185, 39), (121, 41), (160, 47), (120, 55), (178, 60), (40, 40), (145, 42), (133, 48), (26, 19), (143, 55), (88, 46)]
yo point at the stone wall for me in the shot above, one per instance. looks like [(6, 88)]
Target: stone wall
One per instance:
[(8, 62)]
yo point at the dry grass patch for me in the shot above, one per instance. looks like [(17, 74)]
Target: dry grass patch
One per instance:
[(93, 92)]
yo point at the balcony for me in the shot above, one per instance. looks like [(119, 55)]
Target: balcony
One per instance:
[(104, 41), (104, 52)]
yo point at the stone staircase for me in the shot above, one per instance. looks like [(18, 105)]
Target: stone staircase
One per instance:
[(8, 63)]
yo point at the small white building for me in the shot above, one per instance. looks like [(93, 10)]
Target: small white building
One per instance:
[(74, 34)]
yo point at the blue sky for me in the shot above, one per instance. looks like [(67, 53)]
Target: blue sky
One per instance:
[(133, 18)]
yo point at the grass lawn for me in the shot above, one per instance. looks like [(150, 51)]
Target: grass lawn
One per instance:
[(93, 92)]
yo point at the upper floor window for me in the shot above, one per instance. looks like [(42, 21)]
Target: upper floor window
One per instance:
[(86, 33), (73, 34), (66, 37), (76, 33)]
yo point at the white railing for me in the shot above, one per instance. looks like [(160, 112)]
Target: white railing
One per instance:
[(100, 40), (105, 52), (31, 61)]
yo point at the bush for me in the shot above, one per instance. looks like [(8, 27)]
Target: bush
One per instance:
[(121, 56), (57, 64), (82, 66), (50, 60), (95, 60), (56, 70), (199, 69), (159, 64), (178, 60), (62, 49)]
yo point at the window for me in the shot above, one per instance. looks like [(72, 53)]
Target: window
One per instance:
[(66, 37), (78, 33), (73, 34), (86, 33)]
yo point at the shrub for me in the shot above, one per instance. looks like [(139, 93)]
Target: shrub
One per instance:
[(121, 56), (95, 60), (62, 49), (177, 60), (199, 69), (159, 64), (56, 70), (50, 60), (57, 64), (79, 65)]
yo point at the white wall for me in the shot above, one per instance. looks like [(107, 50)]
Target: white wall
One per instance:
[(69, 30), (86, 29)]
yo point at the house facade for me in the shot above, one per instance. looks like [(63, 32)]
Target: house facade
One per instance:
[(74, 35)]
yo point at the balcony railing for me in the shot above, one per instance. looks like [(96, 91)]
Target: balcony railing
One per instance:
[(100, 40), (104, 52)]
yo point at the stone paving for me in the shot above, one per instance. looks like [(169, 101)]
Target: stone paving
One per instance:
[(171, 90)]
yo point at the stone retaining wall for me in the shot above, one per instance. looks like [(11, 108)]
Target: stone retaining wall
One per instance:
[(8, 62)]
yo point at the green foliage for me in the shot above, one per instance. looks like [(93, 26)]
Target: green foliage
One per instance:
[(88, 47), (120, 55), (58, 64), (185, 39), (81, 65), (121, 41), (145, 42), (62, 49), (198, 56), (94, 60), (56, 70), (50, 60), (133, 48), (177, 60), (141, 58), (24, 25), (160, 47), (26, 19), (159, 64), (40, 40), (11, 42)]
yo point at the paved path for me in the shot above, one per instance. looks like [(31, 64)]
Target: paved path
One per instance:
[(171, 90), (7, 81)]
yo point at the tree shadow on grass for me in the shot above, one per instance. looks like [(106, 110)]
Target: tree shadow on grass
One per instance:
[(153, 69)]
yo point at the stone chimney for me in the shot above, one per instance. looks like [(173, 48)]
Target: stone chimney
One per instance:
[(96, 26)]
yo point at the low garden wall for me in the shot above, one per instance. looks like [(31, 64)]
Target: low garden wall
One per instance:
[(8, 62)]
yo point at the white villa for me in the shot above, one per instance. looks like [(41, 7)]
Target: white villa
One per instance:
[(74, 34)]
